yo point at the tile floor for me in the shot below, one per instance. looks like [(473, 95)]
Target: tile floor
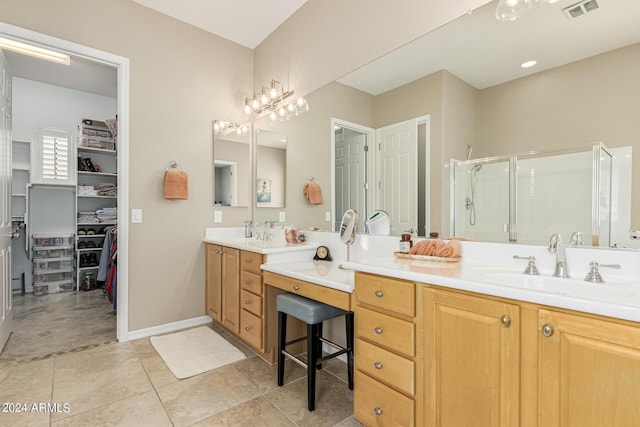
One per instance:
[(128, 384)]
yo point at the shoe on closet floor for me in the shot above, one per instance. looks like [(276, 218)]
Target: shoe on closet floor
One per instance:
[(91, 244), (82, 232), (93, 260), (91, 232), (82, 245), (84, 260)]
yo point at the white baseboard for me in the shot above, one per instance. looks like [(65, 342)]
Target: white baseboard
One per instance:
[(168, 327)]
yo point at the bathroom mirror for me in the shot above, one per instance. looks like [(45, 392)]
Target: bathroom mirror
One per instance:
[(571, 104), (348, 226), (231, 164), (271, 168)]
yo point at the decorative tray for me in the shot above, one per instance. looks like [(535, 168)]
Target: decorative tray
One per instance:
[(427, 257)]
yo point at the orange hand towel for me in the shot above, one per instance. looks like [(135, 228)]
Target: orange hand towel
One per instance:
[(451, 250), (176, 185), (313, 193)]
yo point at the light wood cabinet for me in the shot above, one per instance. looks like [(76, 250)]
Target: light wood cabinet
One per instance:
[(213, 288), (385, 351), (231, 289), (588, 371), (471, 360)]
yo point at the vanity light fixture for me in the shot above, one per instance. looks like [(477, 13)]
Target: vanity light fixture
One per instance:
[(273, 99), (35, 51), (510, 10), (226, 128)]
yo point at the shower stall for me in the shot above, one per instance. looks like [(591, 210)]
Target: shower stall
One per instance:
[(526, 198)]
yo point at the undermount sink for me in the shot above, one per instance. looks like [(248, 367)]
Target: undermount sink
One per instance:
[(569, 287)]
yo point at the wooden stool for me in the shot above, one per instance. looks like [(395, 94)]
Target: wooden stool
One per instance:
[(313, 313)]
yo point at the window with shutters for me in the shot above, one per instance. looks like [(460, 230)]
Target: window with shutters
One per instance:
[(55, 154)]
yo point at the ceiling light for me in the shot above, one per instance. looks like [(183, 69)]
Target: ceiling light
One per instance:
[(272, 101), (35, 51), (510, 10), (528, 64), (220, 127)]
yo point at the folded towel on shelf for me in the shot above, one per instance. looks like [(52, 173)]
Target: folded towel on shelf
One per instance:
[(176, 185), (313, 193)]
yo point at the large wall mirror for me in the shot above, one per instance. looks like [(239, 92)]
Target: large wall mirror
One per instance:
[(231, 164), (271, 169), (466, 78)]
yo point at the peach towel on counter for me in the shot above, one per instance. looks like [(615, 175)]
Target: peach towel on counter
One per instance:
[(313, 193), (176, 185), (450, 250), (437, 247)]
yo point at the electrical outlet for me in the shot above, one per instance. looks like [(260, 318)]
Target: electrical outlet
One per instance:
[(217, 217), (634, 234), (282, 217), (327, 216), (136, 216)]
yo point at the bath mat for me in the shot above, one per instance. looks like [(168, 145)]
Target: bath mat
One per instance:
[(195, 351)]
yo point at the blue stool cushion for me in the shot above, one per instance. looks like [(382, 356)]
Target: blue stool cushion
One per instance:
[(307, 310)]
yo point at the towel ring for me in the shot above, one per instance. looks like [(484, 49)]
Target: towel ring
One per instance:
[(174, 165), (311, 179)]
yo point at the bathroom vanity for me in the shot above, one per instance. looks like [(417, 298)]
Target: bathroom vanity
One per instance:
[(475, 342)]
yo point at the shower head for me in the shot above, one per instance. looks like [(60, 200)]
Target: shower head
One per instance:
[(477, 167)]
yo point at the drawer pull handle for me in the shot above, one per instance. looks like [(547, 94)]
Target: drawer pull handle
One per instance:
[(247, 302), (377, 411), (247, 260), (247, 328), (377, 330), (378, 293), (247, 282), (377, 365), (296, 287), (506, 321), (547, 330)]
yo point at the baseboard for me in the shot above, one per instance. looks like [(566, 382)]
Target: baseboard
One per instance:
[(168, 327)]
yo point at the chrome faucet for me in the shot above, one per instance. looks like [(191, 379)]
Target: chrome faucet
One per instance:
[(576, 239), (268, 226), (556, 245)]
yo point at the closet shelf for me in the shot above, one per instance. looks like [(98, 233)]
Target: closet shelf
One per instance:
[(95, 267), (86, 236), (95, 224), (98, 197), (95, 150), (97, 173), (90, 249)]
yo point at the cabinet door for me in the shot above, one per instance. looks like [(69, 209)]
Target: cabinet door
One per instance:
[(213, 287), (231, 289), (589, 371), (471, 360)]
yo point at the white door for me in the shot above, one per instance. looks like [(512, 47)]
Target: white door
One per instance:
[(350, 174), (397, 174), (6, 312)]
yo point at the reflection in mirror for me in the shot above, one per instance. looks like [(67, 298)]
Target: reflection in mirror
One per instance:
[(271, 169), (378, 223), (231, 160)]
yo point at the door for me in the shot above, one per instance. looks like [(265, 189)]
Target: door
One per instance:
[(231, 289), (214, 282), (397, 172), (471, 360), (588, 371), (6, 306), (351, 185)]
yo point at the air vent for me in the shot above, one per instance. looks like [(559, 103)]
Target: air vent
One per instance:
[(580, 8)]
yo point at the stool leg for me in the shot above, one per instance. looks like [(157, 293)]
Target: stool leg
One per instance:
[(312, 343), (349, 323), (282, 339), (319, 345)]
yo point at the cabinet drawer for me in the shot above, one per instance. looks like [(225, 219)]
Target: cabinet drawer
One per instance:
[(386, 293), (251, 302), (387, 331), (375, 404), (251, 282), (385, 366), (251, 329), (334, 297), (250, 261)]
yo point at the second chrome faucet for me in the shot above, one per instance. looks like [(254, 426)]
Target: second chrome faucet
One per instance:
[(556, 245)]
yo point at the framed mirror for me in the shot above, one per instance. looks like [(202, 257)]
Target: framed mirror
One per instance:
[(231, 164)]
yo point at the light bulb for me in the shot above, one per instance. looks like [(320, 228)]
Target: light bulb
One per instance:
[(216, 127), (245, 130), (302, 105), (264, 99), (273, 93), (282, 112), (291, 108), (273, 116), (247, 109), (222, 125), (255, 105), (510, 10), (239, 131)]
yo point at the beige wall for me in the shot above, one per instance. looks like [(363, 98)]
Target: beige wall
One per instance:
[(181, 78), (575, 105), (326, 39)]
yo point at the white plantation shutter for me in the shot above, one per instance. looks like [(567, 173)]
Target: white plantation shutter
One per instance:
[(55, 156)]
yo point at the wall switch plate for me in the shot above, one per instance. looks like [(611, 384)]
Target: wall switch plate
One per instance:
[(634, 234), (282, 217), (136, 216), (327, 216), (217, 217)]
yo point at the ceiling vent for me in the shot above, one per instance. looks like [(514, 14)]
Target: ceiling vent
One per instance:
[(580, 8)]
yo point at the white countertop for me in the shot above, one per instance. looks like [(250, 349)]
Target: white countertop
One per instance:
[(486, 268)]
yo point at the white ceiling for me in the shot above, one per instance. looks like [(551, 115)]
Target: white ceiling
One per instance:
[(247, 22), (476, 48)]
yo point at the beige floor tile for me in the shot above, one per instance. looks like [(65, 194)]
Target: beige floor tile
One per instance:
[(196, 398), (141, 410), (95, 378), (258, 412), (337, 367), (143, 348), (349, 422), (158, 371), (23, 380), (264, 376), (334, 401)]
